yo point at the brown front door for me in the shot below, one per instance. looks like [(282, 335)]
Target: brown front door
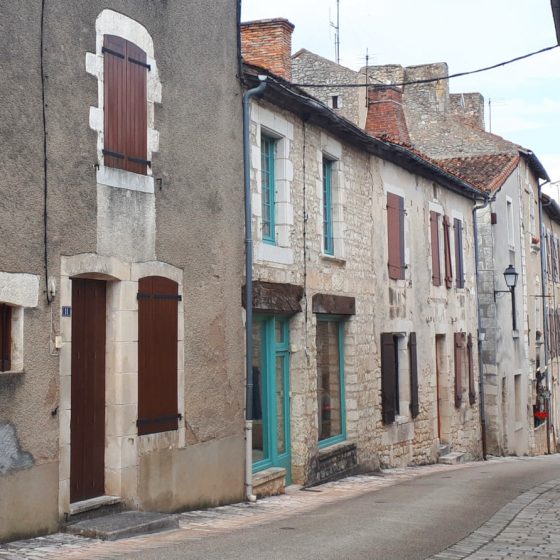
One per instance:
[(87, 424)]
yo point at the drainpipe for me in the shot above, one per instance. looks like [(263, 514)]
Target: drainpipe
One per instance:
[(545, 322), (249, 289), (479, 338)]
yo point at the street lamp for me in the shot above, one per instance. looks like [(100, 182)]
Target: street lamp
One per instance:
[(510, 276)]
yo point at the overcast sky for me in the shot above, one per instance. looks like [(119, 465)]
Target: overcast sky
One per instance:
[(465, 34)]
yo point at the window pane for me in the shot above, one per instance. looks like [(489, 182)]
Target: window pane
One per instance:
[(327, 207), (280, 419), (328, 379), (268, 181), (259, 443)]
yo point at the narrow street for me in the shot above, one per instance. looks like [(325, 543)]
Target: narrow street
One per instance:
[(505, 507)]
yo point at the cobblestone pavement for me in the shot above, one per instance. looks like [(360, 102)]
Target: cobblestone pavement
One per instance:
[(526, 526)]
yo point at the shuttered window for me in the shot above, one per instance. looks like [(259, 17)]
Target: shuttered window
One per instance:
[(389, 377), (459, 271), (413, 364), (395, 235), (268, 188), (5, 337), (434, 234), (157, 355), (125, 105), (472, 388), (460, 345), (447, 250)]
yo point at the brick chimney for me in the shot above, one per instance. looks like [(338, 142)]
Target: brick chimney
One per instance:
[(385, 115), (268, 43)]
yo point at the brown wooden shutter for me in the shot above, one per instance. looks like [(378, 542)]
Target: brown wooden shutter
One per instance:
[(395, 235), (434, 231), (413, 363), (157, 355), (388, 378), (447, 249), (125, 110), (459, 346), (5, 337), (459, 272), (472, 388)]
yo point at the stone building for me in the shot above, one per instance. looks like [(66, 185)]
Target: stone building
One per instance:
[(449, 128), (365, 333), (121, 371)]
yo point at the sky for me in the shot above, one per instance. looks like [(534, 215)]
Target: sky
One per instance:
[(467, 34)]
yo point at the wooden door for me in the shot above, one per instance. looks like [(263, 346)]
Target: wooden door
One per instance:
[(87, 424)]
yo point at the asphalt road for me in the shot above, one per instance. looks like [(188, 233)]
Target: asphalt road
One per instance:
[(411, 520)]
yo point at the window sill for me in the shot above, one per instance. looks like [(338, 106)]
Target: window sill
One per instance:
[(330, 442), (333, 259), (274, 253), (12, 372), (121, 179), (333, 448)]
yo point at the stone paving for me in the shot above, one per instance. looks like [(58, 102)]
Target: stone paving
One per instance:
[(523, 529)]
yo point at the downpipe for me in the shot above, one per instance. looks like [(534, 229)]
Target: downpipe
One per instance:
[(249, 288)]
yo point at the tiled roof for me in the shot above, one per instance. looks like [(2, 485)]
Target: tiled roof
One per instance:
[(486, 172)]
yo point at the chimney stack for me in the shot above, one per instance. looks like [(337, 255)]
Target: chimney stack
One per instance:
[(268, 43), (385, 117)]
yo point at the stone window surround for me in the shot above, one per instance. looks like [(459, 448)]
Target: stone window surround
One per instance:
[(455, 215), (109, 22), (122, 443), (275, 126), (510, 222), (332, 149), (18, 290)]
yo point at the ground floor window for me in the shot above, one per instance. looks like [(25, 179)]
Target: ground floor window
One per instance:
[(5, 337), (271, 410), (330, 380)]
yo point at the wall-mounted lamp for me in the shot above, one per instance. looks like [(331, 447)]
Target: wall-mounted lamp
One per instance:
[(510, 276)]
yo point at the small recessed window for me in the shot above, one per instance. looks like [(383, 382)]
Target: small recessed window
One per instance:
[(5, 337), (335, 102)]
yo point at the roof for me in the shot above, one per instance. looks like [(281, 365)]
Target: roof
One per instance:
[(487, 172), (283, 94), (551, 207)]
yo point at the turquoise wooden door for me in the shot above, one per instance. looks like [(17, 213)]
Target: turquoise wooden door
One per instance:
[(271, 402)]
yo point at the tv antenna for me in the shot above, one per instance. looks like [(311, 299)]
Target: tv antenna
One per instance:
[(337, 33)]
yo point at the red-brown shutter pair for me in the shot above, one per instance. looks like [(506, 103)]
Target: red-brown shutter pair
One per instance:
[(447, 248), (395, 233), (125, 106), (434, 231)]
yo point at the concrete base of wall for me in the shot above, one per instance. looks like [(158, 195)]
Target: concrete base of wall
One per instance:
[(29, 501), (203, 475), (269, 482)]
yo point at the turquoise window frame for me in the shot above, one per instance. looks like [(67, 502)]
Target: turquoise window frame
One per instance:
[(328, 239), (268, 188), (271, 349), (341, 327)]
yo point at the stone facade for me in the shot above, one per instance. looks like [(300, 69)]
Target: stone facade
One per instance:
[(180, 220)]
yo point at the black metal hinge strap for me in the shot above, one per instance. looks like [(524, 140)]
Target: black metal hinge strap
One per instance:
[(140, 160), (140, 295), (139, 62), (111, 51), (158, 419), (117, 155)]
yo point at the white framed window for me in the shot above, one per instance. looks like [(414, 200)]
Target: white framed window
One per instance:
[(510, 223)]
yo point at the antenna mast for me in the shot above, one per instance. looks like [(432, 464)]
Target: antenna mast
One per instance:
[(337, 33)]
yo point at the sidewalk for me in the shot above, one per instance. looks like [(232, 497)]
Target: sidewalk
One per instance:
[(196, 525)]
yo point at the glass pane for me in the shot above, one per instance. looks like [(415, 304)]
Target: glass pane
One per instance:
[(259, 444), (279, 328), (280, 420), (328, 380)]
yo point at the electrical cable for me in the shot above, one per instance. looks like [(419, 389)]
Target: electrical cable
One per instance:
[(45, 161), (431, 80)]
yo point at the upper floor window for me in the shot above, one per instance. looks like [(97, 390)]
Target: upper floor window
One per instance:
[(268, 186), (328, 237), (434, 234), (395, 235), (459, 264), (125, 105), (510, 227)]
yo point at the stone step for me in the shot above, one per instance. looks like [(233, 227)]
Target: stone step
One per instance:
[(94, 507), (122, 525), (443, 449), (452, 458)]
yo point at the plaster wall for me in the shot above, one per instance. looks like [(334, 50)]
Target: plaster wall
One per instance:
[(190, 222)]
